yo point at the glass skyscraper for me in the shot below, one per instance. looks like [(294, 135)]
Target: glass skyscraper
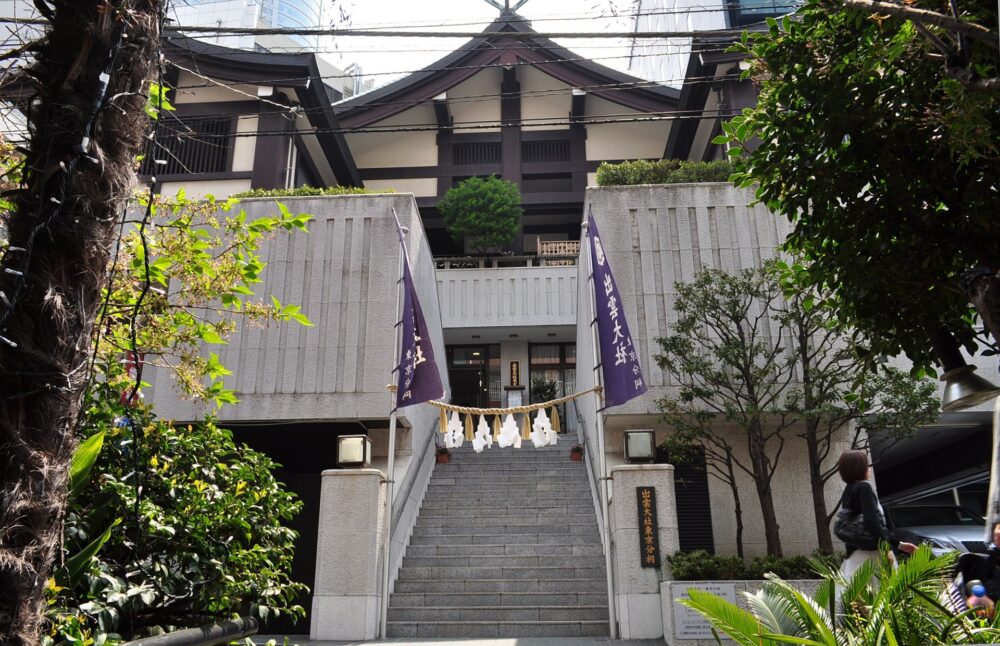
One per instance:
[(293, 14)]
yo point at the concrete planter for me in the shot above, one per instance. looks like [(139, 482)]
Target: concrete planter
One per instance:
[(684, 627)]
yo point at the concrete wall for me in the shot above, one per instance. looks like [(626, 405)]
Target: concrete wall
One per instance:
[(507, 296), (343, 273), (655, 236)]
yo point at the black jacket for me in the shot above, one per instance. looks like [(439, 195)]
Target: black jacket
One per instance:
[(860, 497)]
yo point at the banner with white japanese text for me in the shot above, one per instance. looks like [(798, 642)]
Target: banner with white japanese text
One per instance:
[(623, 378), (419, 380)]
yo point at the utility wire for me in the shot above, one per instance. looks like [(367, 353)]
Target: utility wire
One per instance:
[(481, 66), (333, 31), (511, 35), (495, 125), (479, 98)]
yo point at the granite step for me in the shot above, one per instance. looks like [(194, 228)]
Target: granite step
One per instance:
[(541, 572), (503, 561), (503, 586), (492, 530), (506, 549), (498, 599), (555, 538), (506, 544), (495, 629), (528, 519), (456, 508), (495, 613)]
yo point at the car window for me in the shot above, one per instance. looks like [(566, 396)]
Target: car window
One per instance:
[(915, 516)]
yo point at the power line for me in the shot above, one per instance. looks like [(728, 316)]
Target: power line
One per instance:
[(333, 31), (778, 6), (512, 35), (478, 98), (481, 66), (682, 115)]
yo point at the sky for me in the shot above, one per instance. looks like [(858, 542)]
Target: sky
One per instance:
[(388, 58)]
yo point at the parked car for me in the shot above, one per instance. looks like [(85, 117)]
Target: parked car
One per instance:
[(944, 527)]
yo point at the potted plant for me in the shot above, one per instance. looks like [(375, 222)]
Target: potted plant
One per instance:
[(576, 453), (443, 455)]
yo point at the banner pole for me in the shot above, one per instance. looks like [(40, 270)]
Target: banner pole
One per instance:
[(391, 466), (602, 457)]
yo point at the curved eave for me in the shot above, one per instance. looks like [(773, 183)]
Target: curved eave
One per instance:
[(297, 72), (549, 57)]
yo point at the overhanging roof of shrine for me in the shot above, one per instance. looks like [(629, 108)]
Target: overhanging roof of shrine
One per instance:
[(507, 41)]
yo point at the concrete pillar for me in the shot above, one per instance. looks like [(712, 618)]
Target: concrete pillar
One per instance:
[(346, 595), (637, 588)]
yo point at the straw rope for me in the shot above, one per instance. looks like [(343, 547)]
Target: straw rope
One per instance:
[(514, 410)]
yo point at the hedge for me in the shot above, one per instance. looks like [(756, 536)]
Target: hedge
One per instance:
[(662, 171), (699, 565), (307, 191)]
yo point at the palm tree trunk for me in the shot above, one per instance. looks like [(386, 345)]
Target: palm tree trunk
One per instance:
[(86, 120)]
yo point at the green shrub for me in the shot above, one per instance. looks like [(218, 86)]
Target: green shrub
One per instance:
[(306, 191), (639, 171), (662, 171), (485, 212), (202, 540), (543, 390), (699, 565)]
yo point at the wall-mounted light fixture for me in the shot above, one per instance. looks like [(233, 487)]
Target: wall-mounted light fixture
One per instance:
[(354, 452), (640, 446)]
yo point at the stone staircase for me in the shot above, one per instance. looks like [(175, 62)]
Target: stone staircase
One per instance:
[(506, 545)]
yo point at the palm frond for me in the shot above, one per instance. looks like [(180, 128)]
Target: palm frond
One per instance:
[(814, 617), (738, 624), (776, 612)]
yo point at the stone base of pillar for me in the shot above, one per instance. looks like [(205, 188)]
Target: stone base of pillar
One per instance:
[(637, 588), (347, 591)]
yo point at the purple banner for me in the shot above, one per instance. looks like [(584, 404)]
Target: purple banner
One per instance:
[(619, 359), (419, 380)]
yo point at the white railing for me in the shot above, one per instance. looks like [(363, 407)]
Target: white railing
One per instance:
[(519, 296), (484, 262)]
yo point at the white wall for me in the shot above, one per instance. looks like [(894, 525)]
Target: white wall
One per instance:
[(642, 139), (198, 190), (507, 296), (464, 108), (550, 105), (655, 236), (382, 150), (194, 89)]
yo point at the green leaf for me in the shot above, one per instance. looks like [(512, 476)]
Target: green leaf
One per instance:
[(83, 460), (77, 563), (209, 335), (738, 624)]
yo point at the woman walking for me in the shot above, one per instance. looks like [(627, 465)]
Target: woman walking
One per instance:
[(859, 497)]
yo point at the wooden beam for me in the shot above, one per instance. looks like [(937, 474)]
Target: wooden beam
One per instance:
[(510, 135)]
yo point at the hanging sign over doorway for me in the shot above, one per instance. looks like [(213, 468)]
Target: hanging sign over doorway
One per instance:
[(649, 534)]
